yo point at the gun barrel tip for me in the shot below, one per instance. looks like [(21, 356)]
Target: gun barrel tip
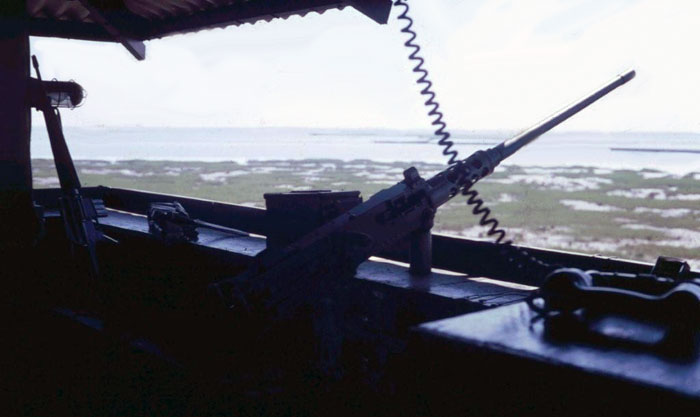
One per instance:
[(628, 75)]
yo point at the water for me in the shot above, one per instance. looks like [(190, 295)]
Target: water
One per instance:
[(244, 144)]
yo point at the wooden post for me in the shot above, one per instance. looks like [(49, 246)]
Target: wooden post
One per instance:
[(18, 221)]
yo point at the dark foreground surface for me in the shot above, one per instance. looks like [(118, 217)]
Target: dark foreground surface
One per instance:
[(145, 339)]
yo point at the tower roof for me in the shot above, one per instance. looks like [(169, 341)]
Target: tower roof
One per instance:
[(140, 20)]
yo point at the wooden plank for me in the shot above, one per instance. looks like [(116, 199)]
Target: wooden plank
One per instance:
[(208, 239), (249, 219), (471, 257), (453, 287)]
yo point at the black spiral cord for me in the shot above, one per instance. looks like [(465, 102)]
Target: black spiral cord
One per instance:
[(427, 90), (524, 262)]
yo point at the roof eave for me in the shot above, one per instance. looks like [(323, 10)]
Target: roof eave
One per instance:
[(239, 14), (142, 29)]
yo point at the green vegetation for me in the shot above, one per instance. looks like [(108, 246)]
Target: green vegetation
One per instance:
[(630, 214)]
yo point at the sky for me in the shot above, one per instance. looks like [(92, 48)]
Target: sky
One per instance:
[(496, 65)]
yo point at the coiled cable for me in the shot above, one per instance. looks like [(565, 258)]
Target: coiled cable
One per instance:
[(427, 91), (480, 210), (524, 262)]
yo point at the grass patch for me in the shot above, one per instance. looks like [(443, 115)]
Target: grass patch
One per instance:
[(526, 200)]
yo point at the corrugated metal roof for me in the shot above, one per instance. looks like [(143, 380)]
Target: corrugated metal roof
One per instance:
[(60, 10), (162, 9), (148, 19)]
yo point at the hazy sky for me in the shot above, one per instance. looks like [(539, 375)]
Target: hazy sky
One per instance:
[(496, 64)]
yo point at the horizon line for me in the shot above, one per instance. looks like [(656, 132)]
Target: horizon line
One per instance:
[(427, 131)]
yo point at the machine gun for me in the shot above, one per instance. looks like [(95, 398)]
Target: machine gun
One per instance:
[(79, 213), (281, 279)]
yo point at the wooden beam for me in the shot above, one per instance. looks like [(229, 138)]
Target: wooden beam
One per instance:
[(377, 10), (135, 47), (19, 225), (14, 108)]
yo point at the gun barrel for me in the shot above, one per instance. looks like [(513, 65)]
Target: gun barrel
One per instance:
[(510, 146)]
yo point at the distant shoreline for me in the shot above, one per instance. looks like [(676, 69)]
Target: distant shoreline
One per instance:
[(656, 150), (244, 145), (406, 164)]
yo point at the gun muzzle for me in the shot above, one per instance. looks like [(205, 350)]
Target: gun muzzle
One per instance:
[(482, 163), (510, 146)]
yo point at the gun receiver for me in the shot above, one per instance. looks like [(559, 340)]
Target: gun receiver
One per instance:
[(279, 278)]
